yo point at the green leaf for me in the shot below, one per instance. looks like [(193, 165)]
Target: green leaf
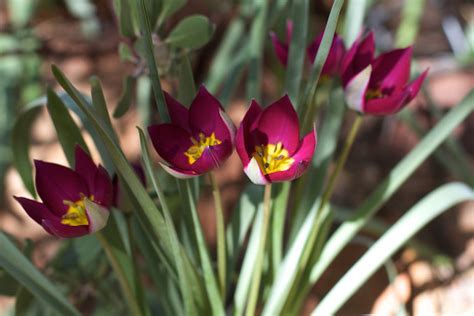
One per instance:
[(206, 265), (17, 265), (354, 19), (8, 285), (168, 7), (245, 275), (126, 98), (405, 228), (21, 11), (20, 147), (192, 33), (98, 102), (149, 52), (124, 14), (391, 184), (68, 133), (184, 282), (297, 52)]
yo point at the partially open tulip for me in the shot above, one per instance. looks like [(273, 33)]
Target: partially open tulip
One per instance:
[(75, 202), (197, 140), (378, 86), (268, 143), (333, 61)]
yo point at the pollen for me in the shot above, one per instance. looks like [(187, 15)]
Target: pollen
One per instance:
[(272, 158), (373, 94), (76, 212), (198, 147)]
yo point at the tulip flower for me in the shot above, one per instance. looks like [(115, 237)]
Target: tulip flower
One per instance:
[(75, 202), (197, 140), (269, 145), (378, 86), (333, 61)]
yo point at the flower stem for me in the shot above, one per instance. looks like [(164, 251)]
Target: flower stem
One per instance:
[(257, 272), (120, 274), (220, 223), (318, 220)]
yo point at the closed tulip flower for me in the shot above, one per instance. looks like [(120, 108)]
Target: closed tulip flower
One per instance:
[(75, 202), (269, 144), (378, 86), (197, 140), (333, 61)]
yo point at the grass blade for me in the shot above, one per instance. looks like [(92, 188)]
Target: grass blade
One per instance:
[(391, 184), (415, 219), (19, 267)]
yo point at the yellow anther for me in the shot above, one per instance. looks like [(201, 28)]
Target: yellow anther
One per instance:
[(76, 213), (272, 158), (195, 151)]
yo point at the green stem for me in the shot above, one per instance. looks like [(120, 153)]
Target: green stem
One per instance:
[(257, 272), (329, 190), (220, 223), (120, 274)]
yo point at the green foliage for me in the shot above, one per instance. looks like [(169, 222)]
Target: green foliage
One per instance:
[(192, 33)]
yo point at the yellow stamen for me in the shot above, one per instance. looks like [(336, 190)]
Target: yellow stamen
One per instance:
[(195, 151), (76, 213), (373, 93), (272, 158)]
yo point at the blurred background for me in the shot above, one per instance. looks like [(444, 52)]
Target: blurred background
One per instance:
[(434, 275)]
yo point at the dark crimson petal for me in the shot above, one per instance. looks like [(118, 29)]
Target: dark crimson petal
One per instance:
[(334, 59), (36, 210), (171, 142), (414, 87), (359, 56), (56, 184), (64, 231), (387, 105), (391, 70), (279, 123), (243, 142), (280, 48), (205, 116), (85, 166), (302, 157), (212, 158), (179, 114), (102, 190)]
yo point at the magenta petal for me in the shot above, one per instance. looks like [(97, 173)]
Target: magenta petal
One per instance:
[(391, 70), (359, 56), (279, 123), (334, 59), (171, 142), (243, 142), (280, 48), (85, 166), (64, 231), (212, 158), (387, 105), (36, 210), (302, 157), (56, 184), (414, 87), (179, 114), (205, 116), (102, 190)]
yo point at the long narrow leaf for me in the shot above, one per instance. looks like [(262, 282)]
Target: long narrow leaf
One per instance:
[(18, 266), (415, 219), (390, 185)]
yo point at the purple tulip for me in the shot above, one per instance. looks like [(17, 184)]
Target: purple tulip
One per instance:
[(378, 86), (269, 145), (333, 61), (75, 202), (197, 140)]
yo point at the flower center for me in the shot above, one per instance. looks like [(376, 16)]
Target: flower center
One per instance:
[(195, 151), (272, 158), (76, 213), (373, 94)]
